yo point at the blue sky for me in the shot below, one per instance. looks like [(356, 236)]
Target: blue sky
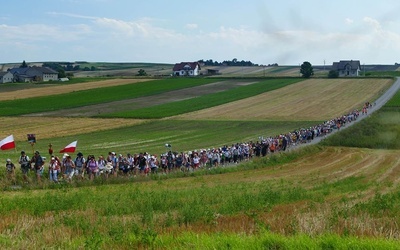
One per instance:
[(286, 32)]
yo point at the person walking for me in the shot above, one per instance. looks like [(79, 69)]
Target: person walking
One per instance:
[(54, 169), (38, 163), (25, 164), (69, 167), (10, 167)]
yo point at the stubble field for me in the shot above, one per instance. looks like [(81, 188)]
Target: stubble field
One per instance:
[(310, 100)]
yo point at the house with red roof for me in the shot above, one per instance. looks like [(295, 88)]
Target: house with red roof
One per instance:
[(186, 69)]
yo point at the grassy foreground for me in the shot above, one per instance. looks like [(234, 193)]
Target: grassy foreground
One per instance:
[(248, 207)]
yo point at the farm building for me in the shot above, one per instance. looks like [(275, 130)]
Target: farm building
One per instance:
[(31, 74), (347, 68), (186, 69), (6, 77)]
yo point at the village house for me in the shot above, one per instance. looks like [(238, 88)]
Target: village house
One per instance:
[(6, 77), (347, 68), (34, 74), (186, 69)]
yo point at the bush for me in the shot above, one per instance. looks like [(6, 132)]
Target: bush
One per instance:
[(333, 74)]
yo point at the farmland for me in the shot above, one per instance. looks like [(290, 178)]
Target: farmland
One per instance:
[(335, 195)]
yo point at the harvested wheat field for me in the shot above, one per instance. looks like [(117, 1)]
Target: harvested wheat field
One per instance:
[(379, 170), (67, 88), (45, 127), (301, 101)]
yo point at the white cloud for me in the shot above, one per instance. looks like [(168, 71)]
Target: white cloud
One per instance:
[(373, 23), (191, 26), (349, 21)]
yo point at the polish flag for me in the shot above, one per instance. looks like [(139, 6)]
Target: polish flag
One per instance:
[(70, 148), (7, 143)]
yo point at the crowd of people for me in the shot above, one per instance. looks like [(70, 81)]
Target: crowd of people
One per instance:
[(70, 167)]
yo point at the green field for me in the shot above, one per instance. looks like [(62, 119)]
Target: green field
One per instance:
[(341, 194), (95, 96)]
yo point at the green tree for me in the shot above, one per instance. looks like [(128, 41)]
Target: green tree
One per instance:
[(24, 65), (333, 74), (306, 70), (141, 72), (61, 73)]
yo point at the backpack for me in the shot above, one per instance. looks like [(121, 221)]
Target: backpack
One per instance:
[(38, 162), (24, 162)]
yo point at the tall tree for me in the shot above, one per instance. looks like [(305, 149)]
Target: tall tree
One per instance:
[(24, 65), (306, 70)]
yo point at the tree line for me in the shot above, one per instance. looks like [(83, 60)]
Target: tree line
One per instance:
[(233, 62)]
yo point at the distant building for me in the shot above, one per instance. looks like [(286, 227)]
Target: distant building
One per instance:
[(34, 74), (347, 68), (6, 77), (186, 69)]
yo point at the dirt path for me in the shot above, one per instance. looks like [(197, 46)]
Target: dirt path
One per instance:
[(146, 101)]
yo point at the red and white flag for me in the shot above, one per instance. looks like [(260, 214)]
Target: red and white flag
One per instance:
[(7, 143), (70, 148)]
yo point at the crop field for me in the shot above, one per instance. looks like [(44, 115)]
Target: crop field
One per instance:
[(62, 89), (299, 101), (341, 194)]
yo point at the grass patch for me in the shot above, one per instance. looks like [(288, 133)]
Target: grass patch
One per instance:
[(206, 101)]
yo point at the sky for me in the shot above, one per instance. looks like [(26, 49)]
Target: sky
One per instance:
[(287, 32)]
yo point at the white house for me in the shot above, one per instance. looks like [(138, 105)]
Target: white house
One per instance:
[(6, 77), (186, 69), (347, 68), (39, 74)]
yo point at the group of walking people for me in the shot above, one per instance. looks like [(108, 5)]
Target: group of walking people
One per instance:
[(80, 167)]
